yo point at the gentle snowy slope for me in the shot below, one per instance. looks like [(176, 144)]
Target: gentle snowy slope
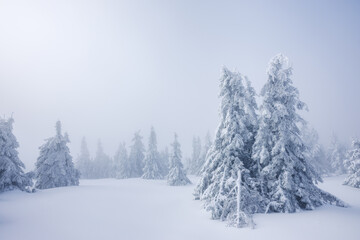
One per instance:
[(150, 209)]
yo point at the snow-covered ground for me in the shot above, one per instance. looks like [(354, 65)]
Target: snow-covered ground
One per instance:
[(150, 209)]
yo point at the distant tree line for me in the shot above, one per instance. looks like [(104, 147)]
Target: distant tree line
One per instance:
[(140, 162)]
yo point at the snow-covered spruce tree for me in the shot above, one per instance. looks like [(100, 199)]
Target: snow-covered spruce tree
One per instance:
[(337, 156), (152, 168), (229, 156), (287, 178), (11, 168), (103, 165), (54, 166), (195, 156), (83, 163), (353, 165), (165, 161), (177, 175), (137, 156), (315, 151), (122, 163)]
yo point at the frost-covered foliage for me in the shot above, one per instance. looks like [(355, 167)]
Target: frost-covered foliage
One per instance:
[(286, 177), (353, 165), (337, 156), (54, 166), (152, 168), (315, 151), (176, 176), (137, 156), (195, 161), (165, 161), (103, 165), (84, 163), (11, 168), (229, 155), (122, 163)]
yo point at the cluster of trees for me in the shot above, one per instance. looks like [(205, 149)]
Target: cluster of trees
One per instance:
[(259, 161), (54, 166), (140, 162)]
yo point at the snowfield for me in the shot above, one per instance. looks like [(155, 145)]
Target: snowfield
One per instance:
[(150, 209)]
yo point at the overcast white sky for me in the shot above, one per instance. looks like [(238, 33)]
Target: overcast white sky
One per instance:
[(109, 68)]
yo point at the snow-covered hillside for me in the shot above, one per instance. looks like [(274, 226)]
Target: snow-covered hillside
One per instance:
[(150, 209)]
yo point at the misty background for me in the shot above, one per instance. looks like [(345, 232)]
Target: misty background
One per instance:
[(109, 68)]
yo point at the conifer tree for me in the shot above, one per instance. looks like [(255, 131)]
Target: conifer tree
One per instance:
[(353, 165), (54, 166), (11, 167), (137, 156), (315, 151), (195, 162), (103, 165), (84, 164), (337, 156), (165, 161), (122, 163), (228, 156), (176, 176), (152, 168), (287, 179)]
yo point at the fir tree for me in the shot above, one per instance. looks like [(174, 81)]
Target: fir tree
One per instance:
[(195, 162), (315, 151), (137, 156), (287, 179), (228, 156), (337, 156), (122, 163), (176, 176), (165, 161), (353, 165), (84, 164), (152, 168), (54, 166), (103, 165), (11, 168)]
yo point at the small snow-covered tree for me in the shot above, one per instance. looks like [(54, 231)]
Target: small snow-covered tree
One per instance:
[(353, 165), (165, 161), (176, 176), (337, 156), (195, 161), (228, 156), (54, 166), (287, 179), (315, 151), (103, 165), (122, 163), (137, 156), (11, 167), (152, 168), (83, 163)]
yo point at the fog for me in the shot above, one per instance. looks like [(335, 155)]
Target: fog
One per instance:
[(109, 68)]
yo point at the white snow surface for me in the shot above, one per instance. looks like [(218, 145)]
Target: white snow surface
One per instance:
[(150, 209)]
